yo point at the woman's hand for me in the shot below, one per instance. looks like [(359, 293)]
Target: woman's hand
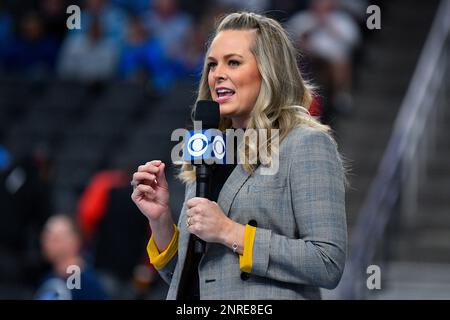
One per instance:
[(208, 222), (151, 191)]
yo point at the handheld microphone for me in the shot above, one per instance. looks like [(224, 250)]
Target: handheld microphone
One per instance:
[(203, 148)]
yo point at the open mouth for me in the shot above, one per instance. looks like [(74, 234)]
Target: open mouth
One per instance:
[(224, 94)]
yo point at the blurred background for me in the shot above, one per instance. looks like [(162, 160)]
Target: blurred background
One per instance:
[(81, 109)]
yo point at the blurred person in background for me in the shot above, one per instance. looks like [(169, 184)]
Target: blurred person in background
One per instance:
[(113, 19), (143, 59), (54, 16), (88, 56), (192, 61), (32, 52), (61, 245), (328, 38), (170, 26), (357, 10)]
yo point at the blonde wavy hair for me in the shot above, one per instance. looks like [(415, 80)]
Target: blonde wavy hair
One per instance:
[(284, 97)]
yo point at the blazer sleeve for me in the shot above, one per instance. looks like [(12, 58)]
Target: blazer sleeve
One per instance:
[(317, 183), (167, 271)]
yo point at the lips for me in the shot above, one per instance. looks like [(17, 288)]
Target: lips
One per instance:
[(223, 94)]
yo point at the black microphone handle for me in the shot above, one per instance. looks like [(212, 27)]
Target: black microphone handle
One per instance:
[(203, 174)]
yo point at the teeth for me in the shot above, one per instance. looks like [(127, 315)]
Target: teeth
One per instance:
[(220, 91)]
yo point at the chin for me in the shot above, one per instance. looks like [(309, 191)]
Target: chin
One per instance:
[(226, 110)]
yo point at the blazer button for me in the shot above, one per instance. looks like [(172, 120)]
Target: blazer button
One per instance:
[(244, 276)]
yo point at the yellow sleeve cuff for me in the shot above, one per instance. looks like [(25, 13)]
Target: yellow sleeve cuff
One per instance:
[(160, 259), (246, 260)]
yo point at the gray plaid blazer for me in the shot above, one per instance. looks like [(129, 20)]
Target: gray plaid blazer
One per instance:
[(301, 235)]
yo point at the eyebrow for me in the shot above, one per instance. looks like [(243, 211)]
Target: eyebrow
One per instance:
[(226, 56)]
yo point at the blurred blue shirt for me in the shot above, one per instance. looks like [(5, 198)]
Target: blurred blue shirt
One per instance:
[(147, 57), (54, 287)]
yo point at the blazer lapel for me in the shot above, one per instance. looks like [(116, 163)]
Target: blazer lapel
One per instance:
[(231, 187)]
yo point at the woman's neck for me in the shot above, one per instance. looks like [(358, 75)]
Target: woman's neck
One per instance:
[(239, 123)]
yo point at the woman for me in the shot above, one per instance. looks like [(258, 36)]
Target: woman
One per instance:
[(280, 236)]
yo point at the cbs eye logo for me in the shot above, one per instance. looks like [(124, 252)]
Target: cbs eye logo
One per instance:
[(197, 144), (218, 147)]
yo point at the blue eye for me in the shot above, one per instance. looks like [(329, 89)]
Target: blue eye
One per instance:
[(234, 63), (211, 65)]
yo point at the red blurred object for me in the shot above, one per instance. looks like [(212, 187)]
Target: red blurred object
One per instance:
[(93, 201), (315, 109)]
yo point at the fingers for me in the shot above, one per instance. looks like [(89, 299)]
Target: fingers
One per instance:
[(189, 221), (155, 167), (142, 176), (193, 211), (155, 162), (151, 167), (161, 177), (193, 225), (194, 220), (205, 219), (143, 190), (152, 171), (196, 212), (196, 201)]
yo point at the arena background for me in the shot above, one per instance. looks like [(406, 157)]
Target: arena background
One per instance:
[(81, 109)]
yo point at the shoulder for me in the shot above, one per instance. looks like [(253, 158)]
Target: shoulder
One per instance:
[(304, 136), (305, 142)]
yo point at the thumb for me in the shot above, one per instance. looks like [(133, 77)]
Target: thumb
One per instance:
[(161, 177)]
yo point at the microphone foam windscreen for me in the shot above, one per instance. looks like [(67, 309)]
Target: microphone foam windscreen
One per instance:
[(208, 112)]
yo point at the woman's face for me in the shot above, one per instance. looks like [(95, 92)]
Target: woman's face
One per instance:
[(234, 79)]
